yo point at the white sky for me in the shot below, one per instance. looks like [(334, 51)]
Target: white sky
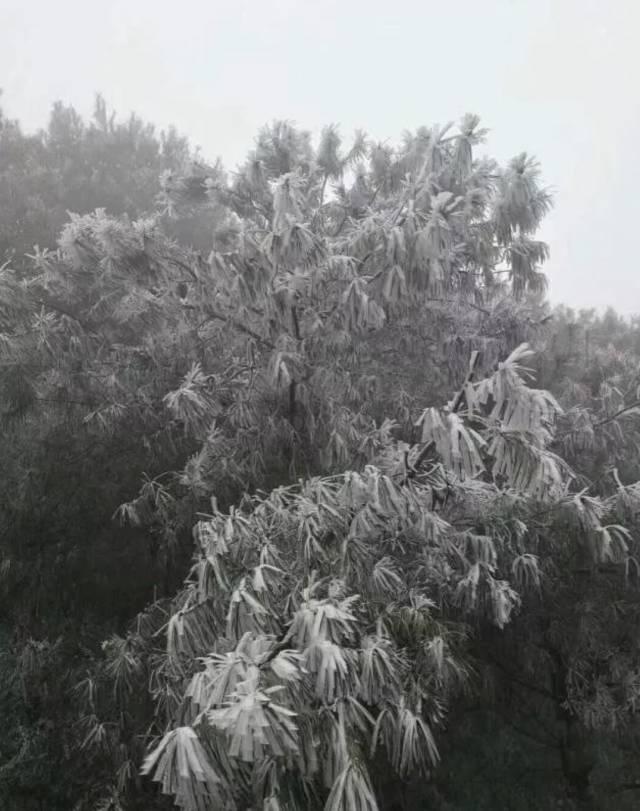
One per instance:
[(558, 78)]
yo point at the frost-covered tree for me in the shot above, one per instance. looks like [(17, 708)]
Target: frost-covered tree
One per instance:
[(323, 627), (362, 551)]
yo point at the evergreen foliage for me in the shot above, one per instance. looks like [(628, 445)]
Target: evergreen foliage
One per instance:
[(405, 486)]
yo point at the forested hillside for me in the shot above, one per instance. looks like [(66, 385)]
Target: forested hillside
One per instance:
[(310, 499)]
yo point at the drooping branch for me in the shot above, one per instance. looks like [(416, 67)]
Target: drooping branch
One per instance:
[(216, 315)]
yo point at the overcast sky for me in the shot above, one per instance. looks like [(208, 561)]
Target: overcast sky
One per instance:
[(557, 78)]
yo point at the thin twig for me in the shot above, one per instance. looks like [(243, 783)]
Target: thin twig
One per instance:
[(617, 414), (216, 315), (458, 301)]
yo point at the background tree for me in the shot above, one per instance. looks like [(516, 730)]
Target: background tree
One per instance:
[(78, 167)]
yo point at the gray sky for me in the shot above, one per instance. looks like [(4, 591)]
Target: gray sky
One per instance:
[(558, 78)]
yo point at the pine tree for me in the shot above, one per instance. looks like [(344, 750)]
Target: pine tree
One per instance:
[(334, 408)]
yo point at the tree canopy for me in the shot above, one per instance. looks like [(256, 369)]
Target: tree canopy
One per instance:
[(312, 500)]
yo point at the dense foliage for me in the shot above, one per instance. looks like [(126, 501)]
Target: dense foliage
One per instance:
[(370, 564)]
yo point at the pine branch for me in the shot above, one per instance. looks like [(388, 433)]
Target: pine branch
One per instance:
[(216, 315), (457, 401), (184, 266), (423, 454), (341, 226), (62, 310), (600, 423), (617, 414), (468, 303), (65, 402)]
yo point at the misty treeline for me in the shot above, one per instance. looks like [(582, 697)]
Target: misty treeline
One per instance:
[(309, 499)]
